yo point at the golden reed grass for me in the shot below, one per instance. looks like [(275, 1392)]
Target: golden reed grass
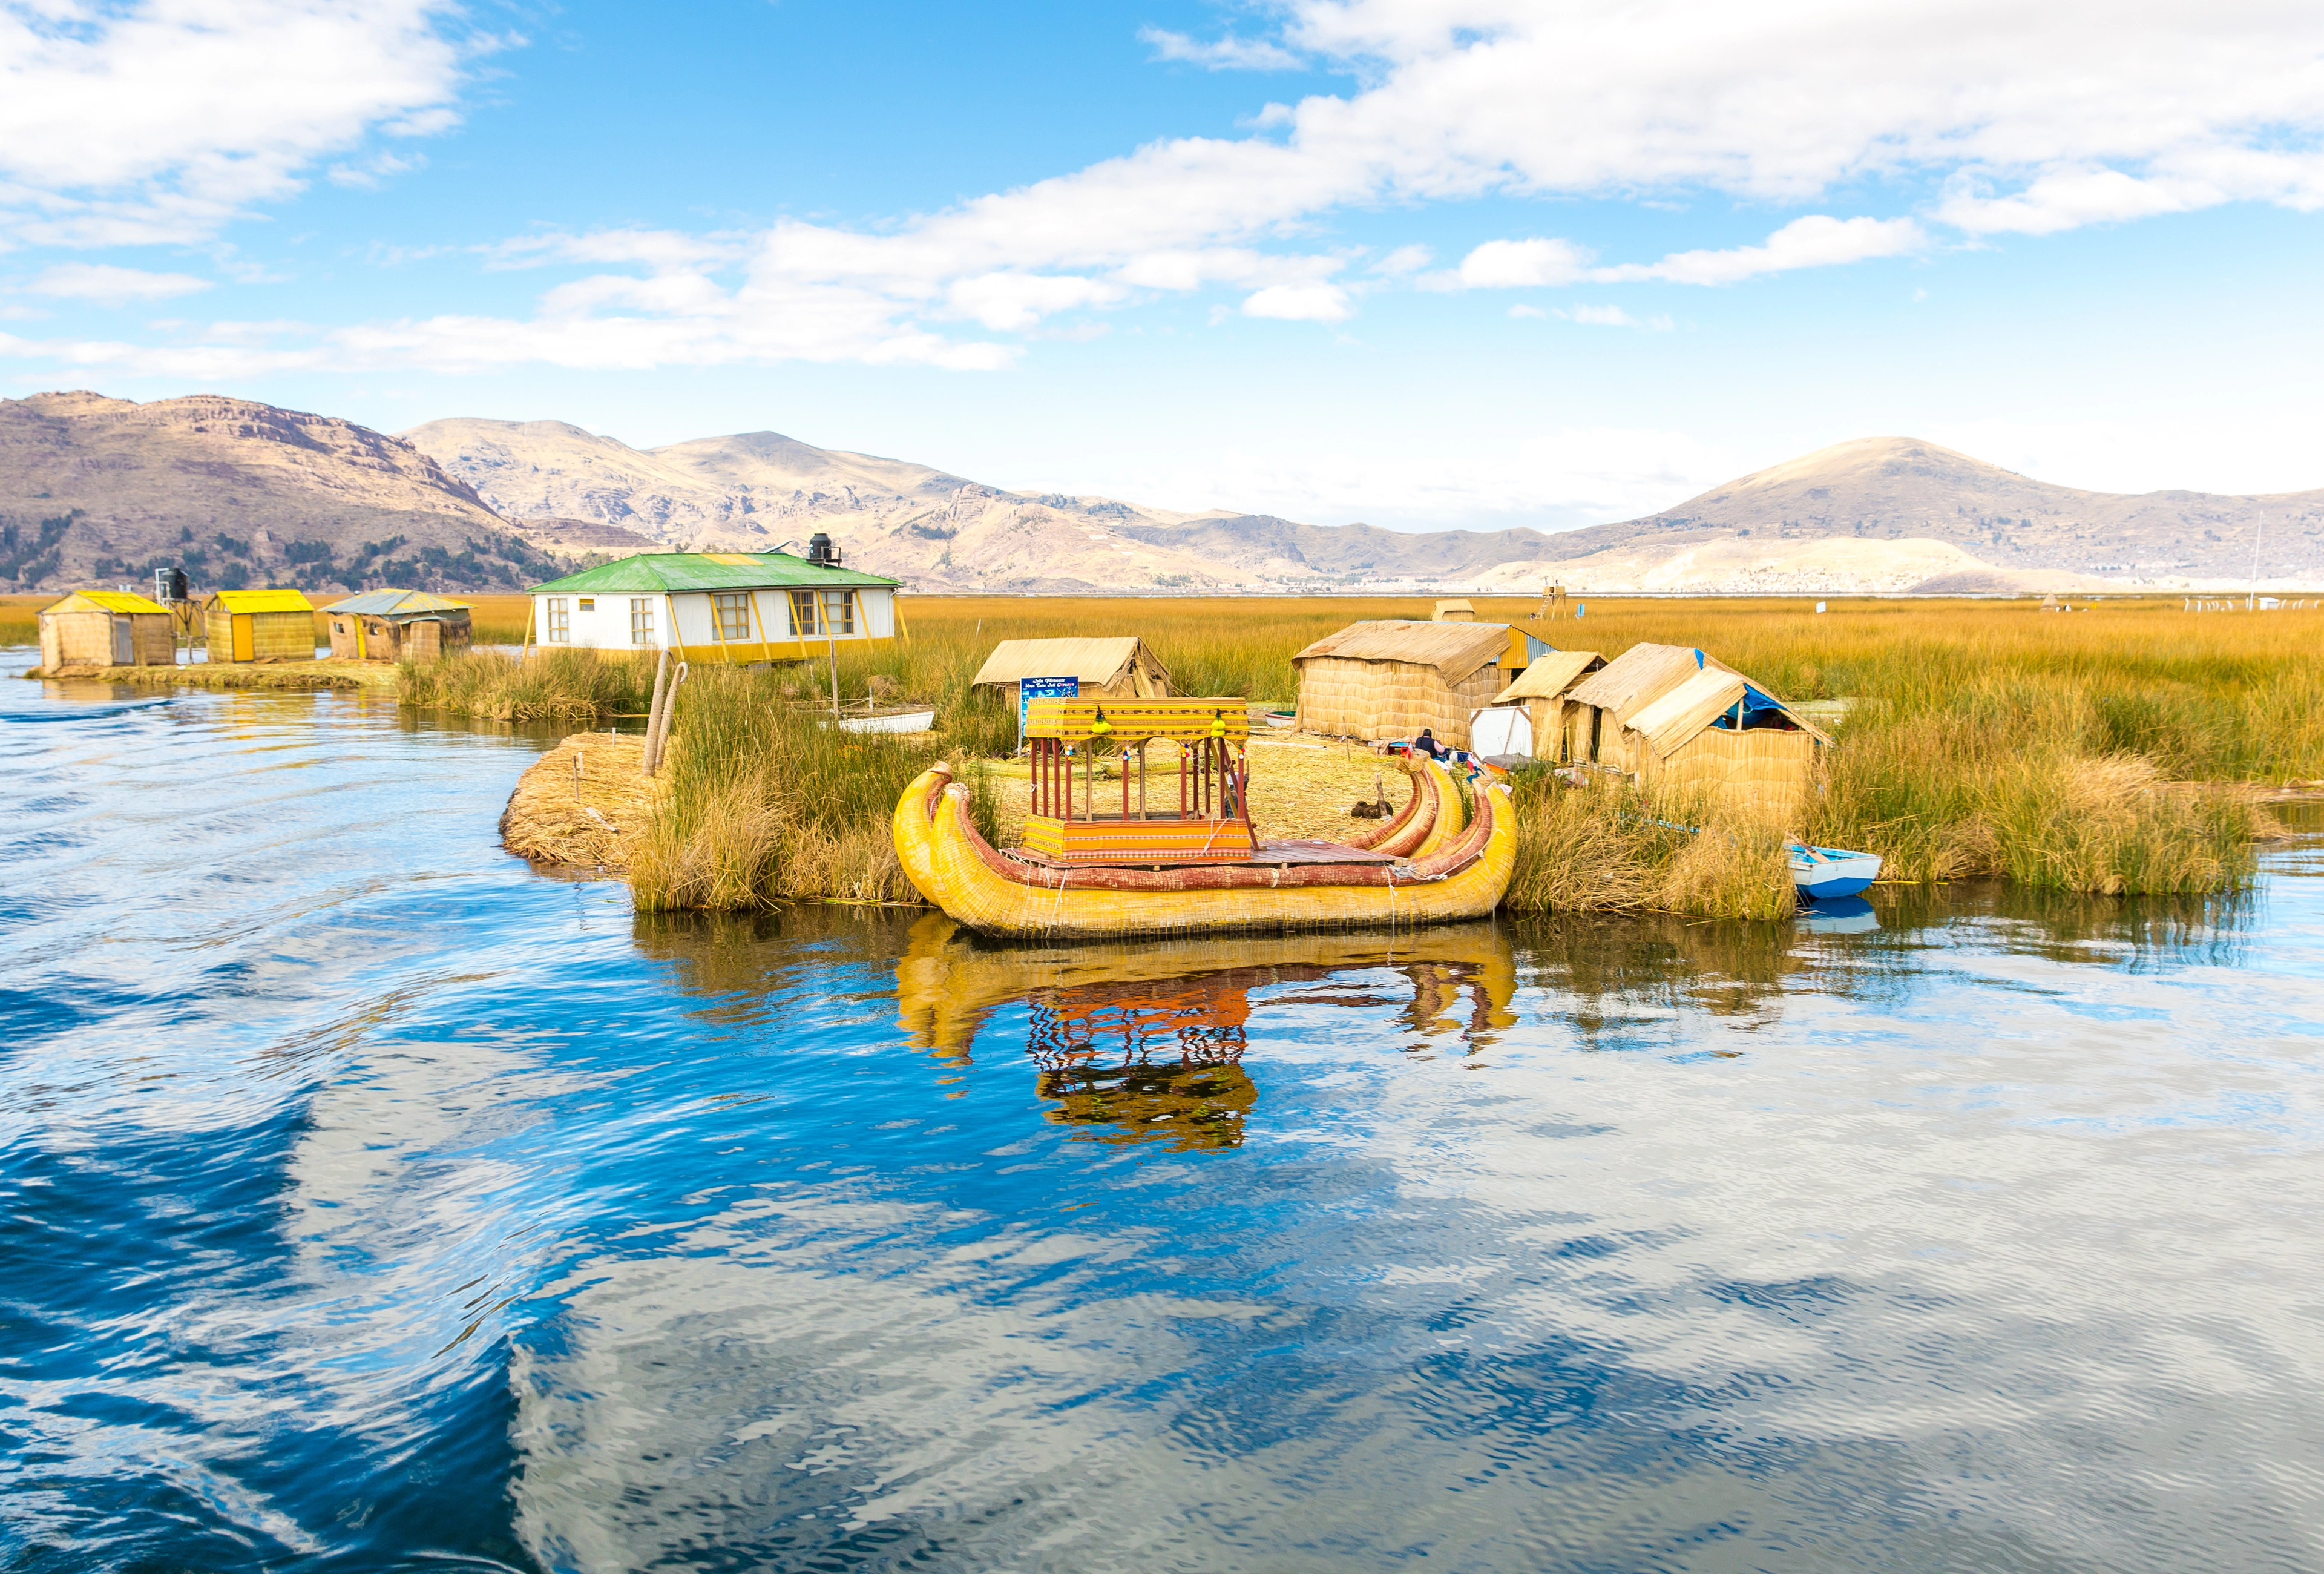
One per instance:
[(1984, 737)]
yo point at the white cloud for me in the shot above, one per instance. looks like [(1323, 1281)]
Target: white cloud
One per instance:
[(1300, 304), (1016, 302), (1513, 264), (159, 120), (1404, 261), (134, 122), (1228, 54), (1523, 310), (1817, 241), (111, 286)]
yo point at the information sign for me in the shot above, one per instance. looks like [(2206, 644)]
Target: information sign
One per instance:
[(1032, 688)]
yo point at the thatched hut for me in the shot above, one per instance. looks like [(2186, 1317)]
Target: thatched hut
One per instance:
[(399, 626), (1115, 664), (1542, 691), (107, 628), (259, 626), (1392, 677), (1672, 716), (1455, 612)]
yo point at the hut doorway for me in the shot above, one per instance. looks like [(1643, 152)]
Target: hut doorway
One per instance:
[(124, 642), (246, 638)]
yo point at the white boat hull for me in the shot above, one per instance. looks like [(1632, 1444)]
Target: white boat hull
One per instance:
[(902, 721), (1824, 873)]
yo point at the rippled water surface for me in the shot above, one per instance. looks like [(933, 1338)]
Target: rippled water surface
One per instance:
[(372, 1200)]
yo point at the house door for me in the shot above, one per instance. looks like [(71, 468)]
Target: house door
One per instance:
[(124, 642), (246, 641)]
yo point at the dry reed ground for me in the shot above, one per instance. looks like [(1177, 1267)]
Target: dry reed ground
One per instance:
[(551, 819)]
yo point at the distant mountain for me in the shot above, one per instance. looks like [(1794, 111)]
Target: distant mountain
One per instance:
[(1882, 514), (100, 490), (760, 489), (1888, 493), (94, 490)]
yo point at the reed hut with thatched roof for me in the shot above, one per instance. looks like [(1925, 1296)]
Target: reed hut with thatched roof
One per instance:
[(1392, 677), (1114, 664), (259, 626), (107, 628), (1542, 691), (1673, 717), (399, 626)]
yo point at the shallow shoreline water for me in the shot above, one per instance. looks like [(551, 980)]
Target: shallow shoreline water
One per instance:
[(376, 1200)]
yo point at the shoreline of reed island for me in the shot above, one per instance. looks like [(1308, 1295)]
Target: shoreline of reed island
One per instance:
[(2124, 751)]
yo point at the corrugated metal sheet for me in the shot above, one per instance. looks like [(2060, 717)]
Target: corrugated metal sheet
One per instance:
[(1454, 649), (261, 601), (650, 572), (1093, 660), (1549, 675), (1686, 709), (109, 601), (396, 603)]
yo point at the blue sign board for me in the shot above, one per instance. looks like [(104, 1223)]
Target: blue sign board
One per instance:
[(1032, 688)]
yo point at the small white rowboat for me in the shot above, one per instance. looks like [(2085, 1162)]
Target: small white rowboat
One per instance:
[(900, 721), (1822, 873)]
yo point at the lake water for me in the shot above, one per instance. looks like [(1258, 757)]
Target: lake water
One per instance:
[(373, 1201)]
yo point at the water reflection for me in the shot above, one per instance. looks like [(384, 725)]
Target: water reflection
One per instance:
[(1143, 1041)]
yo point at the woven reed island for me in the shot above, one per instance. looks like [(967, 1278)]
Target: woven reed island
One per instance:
[(2125, 750)]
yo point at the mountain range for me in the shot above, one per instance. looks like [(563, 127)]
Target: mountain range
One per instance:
[(99, 489)]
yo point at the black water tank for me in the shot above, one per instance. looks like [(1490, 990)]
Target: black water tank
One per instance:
[(819, 550), (170, 585)]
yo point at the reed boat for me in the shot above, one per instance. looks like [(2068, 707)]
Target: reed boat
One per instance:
[(1199, 868)]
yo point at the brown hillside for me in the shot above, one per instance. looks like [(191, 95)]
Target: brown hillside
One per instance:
[(96, 490)]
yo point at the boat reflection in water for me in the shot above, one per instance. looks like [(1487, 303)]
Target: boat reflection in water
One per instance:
[(1139, 1041), (1838, 915)]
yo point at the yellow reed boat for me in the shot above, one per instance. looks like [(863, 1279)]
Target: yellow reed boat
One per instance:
[(1200, 868)]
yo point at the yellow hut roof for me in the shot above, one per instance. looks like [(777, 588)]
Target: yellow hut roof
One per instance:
[(108, 601), (261, 601), (1092, 659), (1454, 649), (1552, 673), (1675, 717)]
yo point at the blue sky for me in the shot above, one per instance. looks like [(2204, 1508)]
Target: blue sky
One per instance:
[(1473, 262)]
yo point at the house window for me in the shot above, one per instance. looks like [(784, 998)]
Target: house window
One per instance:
[(803, 619), (641, 620), (560, 621), (588, 604), (733, 615), (839, 611)]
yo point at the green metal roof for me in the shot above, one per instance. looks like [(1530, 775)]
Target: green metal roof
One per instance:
[(706, 571), (394, 604)]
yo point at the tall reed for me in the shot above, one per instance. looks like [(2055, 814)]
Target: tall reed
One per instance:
[(1612, 848), (551, 685), (767, 804)]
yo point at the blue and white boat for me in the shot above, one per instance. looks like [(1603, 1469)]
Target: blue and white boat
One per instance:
[(1822, 873)]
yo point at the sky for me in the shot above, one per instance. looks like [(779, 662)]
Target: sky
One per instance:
[(1472, 264)]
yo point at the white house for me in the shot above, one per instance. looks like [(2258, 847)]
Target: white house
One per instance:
[(711, 607)]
